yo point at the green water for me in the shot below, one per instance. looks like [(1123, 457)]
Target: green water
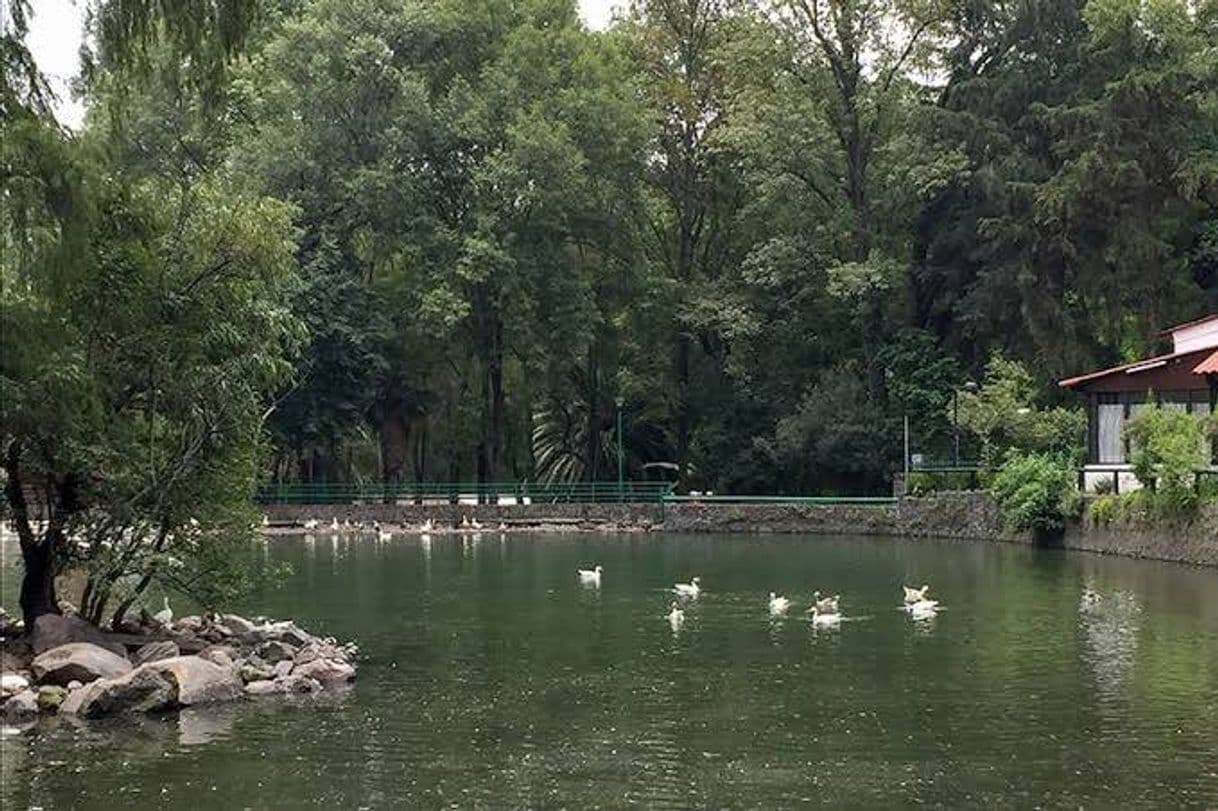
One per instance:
[(490, 678)]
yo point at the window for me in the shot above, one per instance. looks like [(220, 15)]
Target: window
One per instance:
[(1110, 448)]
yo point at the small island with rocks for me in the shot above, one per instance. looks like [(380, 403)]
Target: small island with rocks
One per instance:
[(68, 666)]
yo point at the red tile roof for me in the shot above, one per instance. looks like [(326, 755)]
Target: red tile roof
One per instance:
[(1209, 366), (1146, 364)]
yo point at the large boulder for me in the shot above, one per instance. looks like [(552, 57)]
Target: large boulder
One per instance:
[(275, 651), (236, 624), (325, 670), (55, 630), (21, 706), (155, 651), (81, 661), (182, 681)]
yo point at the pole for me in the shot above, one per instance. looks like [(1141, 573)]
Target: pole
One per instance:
[(956, 423), (907, 450), (621, 494)]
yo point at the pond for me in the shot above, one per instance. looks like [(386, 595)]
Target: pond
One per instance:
[(491, 678)]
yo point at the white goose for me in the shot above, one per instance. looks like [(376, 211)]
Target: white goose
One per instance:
[(691, 589), (825, 619), (826, 605), (475, 524), (165, 615), (590, 577), (924, 609), (676, 617), (427, 526), (465, 522), (311, 523), (334, 525), (778, 605), (915, 595)]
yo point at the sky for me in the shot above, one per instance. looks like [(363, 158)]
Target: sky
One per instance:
[(55, 37)]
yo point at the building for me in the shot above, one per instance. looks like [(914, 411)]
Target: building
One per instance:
[(1186, 378)]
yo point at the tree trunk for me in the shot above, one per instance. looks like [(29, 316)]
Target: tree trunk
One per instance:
[(37, 554)]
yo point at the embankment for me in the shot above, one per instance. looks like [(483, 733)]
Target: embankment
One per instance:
[(956, 516)]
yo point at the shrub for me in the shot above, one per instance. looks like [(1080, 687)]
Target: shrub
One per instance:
[(1035, 491), (1169, 445), (922, 482), (1104, 509)]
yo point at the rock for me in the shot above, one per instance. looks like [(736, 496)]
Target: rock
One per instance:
[(283, 668), (252, 673), (15, 656), (53, 631), (325, 670), (182, 681), (51, 696), (155, 651), (75, 685), (290, 684), (275, 651), (220, 655), (263, 687), (283, 632), (190, 624), (81, 661), (23, 705), (238, 625), (13, 683)]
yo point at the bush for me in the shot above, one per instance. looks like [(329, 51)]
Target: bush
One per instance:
[(1169, 445), (1035, 491), (1105, 509), (923, 482)]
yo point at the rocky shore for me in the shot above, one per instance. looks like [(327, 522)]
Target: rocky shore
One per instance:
[(71, 667)]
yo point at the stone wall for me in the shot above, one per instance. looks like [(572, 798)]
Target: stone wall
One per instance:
[(960, 516), (1190, 541)]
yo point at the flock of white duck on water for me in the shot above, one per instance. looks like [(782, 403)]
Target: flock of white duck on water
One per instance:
[(825, 612), (385, 532)]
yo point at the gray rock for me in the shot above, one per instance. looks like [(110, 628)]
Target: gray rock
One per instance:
[(79, 661), (283, 632), (325, 670), (275, 651), (191, 624), (154, 651), (51, 696), (75, 685), (238, 625), (182, 681), (13, 683), (23, 705), (283, 668), (288, 684), (53, 631), (220, 655), (252, 673)]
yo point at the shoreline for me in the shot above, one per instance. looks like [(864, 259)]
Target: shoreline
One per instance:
[(964, 516)]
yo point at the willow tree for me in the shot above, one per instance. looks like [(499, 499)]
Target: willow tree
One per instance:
[(142, 299)]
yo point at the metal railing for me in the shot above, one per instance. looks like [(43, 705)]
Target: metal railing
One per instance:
[(462, 492), (673, 498)]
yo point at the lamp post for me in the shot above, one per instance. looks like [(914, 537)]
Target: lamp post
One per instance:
[(620, 456), (969, 386)]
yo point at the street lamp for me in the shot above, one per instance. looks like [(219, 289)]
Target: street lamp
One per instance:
[(970, 387), (620, 401)]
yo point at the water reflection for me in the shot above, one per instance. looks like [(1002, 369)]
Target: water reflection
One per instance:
[(1110, 638)]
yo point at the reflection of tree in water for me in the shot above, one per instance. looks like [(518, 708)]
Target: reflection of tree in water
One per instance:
[(1110, 639)]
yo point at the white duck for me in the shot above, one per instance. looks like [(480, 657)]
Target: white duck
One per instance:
[(826, 605), (915, 595), (825, 619), (590, 577), (924, 609), (475, 524), (691, 589), (676, 617), (427, 526), (311, 523), (465, 522), (334, 525), (165, 615), (778, 605)]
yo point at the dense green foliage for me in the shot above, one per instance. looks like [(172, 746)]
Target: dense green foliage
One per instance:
[(437, 239), (1168, 447), (1035, 492)]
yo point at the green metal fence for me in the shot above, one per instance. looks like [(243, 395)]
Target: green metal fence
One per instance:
[(672, 498), (462, 492)]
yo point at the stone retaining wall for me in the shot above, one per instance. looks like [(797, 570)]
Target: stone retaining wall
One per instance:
[(1193, 541), (960, 516)]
